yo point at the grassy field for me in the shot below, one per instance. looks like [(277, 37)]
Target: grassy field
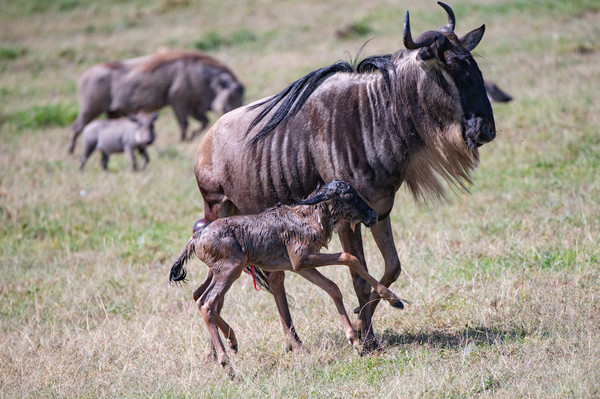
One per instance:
[(504, 281)]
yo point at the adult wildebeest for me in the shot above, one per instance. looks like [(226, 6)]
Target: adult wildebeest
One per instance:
[(277, 239), (417, 117), (192, 83)]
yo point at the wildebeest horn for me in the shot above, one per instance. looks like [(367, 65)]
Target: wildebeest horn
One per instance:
[(408, 41), (451, 18), (427, 38)]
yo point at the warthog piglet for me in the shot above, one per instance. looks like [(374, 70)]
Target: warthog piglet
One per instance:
[(111, 136)]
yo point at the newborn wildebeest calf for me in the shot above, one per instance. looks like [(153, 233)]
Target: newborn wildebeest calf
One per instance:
[(278, 239), (110, 136)]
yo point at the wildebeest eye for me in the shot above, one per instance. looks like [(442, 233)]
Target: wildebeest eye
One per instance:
[(348, 196)]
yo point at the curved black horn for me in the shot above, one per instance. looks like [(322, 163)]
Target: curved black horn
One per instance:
[(408, 41), (424, 40), (451, 18)]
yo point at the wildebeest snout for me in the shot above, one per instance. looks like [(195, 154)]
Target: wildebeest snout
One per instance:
[(370, 217), (479, 131)]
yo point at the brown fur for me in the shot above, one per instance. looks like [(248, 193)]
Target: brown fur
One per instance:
[(278, 239)]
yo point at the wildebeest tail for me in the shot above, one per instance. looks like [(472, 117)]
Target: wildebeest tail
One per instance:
[(178, 272), (261, 279)]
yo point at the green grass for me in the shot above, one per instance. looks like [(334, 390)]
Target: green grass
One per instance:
[(503, 281)]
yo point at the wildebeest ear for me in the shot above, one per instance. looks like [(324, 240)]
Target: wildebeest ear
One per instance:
[(315, 199), (472, 39), (322, 194)]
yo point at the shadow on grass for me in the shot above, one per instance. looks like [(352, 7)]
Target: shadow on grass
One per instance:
[(455, 338)]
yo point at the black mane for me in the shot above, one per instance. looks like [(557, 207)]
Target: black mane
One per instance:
[(293, 97)]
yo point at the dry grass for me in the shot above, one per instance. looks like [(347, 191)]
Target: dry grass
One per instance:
[(504, 282)]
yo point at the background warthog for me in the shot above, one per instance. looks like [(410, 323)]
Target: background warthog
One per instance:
[(110, 136), (191, 82), (93, 90)]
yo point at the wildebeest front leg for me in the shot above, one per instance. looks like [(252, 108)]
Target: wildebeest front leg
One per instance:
[(352, 243), (315, 277), (383, 235), (276, 284)]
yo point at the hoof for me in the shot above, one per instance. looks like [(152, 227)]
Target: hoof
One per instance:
[(200, 223), (370, 348), (398, 304)]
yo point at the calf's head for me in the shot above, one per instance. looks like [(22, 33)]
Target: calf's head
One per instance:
[(144, 134), (449, 60), (344, 203)]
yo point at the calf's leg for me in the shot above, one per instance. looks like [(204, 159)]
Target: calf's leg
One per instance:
[(342, 258), (315, 277), (276, 283), (210, 353), (229, 271)]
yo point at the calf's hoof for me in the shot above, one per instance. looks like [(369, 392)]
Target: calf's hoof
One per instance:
[(371, 347), (398, 304), (200, 223)]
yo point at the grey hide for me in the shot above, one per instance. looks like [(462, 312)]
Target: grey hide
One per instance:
[(110, 136)]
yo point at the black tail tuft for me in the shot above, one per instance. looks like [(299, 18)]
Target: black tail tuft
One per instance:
[(178, 272), (261, 279)]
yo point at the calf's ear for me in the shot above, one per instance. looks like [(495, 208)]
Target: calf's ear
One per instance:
[(314, 199)]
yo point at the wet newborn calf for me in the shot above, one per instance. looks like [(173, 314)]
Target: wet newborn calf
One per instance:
[(111, 136), (278, 239)]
